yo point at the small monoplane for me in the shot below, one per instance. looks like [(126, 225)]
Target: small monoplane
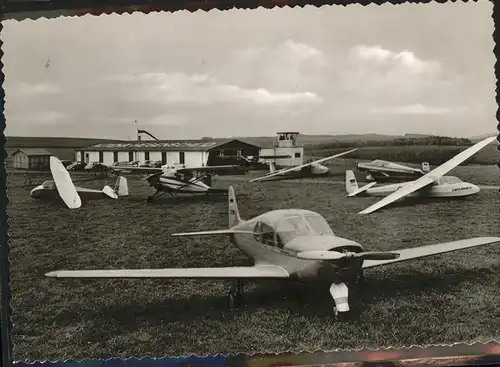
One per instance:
[(380, 170), (433, 184), (172, 179), (61, 187), (288, 244), (310, 169)]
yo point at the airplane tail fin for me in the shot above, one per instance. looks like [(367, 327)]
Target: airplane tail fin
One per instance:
[(121, 186), (351, 185), (425, 167), (234, 214), (272, 167)]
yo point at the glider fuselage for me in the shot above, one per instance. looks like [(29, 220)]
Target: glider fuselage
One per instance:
[(437, 190)]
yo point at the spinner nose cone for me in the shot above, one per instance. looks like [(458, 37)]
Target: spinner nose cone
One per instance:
[(35, 192), (475, 189)]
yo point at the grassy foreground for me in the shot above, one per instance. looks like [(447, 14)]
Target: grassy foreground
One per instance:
[(447, 298)]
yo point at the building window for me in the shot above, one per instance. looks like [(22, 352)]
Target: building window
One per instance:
[(146, 156), (130, 156), (181, 158), (297, 155), (163, 157), (238, 152), (115, 157), (101, 157)]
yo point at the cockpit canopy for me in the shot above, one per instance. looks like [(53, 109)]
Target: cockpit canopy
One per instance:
[(449, 180), (49, 184), (290, 228)]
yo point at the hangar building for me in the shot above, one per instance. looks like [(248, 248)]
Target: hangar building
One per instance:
[(194, 152)]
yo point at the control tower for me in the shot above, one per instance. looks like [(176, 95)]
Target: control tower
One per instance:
[(286, 151)]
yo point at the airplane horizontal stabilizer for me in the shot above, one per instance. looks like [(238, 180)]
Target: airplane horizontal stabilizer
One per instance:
[(361, 189), (211, 233), (236, 272), (108, 191), (429, 250)]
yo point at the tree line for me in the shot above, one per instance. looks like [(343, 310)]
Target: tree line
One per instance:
[(403, 141)]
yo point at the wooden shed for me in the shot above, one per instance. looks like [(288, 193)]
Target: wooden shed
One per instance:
[(31, 158)]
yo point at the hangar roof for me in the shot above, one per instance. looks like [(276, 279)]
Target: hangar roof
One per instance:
[(173, 145)]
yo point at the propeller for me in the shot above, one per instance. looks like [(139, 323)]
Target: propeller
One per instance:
[(336, 255)]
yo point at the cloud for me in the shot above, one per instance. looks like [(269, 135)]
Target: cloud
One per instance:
[(35, 88), (287, 66), (392, 77), (417, 109), (39, 117), (203, 89)]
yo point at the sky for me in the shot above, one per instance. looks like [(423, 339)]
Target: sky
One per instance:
[(412, 68)]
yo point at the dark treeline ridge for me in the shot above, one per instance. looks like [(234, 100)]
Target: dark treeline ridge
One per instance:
[(419, 141), (416, 154)]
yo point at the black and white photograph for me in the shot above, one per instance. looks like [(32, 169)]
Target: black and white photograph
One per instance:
[(252, 181)]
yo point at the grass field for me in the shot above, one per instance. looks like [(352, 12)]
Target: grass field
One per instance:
[(447, 298)]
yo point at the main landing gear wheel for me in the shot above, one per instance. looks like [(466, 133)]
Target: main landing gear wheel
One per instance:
[(149, 199), (235, 296), (361, 277)]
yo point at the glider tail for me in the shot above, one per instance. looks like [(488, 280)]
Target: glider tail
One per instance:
[(121, 186), (272, 168), (234, 214), (351, 185)]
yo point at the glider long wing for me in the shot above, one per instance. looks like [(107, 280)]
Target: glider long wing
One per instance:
[(429, 250), (406, 190), (64, 185), (430, 177), (237, 272), (296, 168)]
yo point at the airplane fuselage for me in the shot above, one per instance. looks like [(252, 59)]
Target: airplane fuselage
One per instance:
[(270, 251), (461, 189), (314, 170), (47, 192), (173, 183)]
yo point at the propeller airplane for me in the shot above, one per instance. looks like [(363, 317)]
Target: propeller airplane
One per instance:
[(62, 187), (288, 244), (380, 170), (433, 184), (314, 168), (171, 179)]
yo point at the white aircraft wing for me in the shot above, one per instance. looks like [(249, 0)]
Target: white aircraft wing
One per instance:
[(460, 158), (237, 272), (430, 177), (429, 250), (361, 189), (64, 185), (296, 168), (405, 190), (126, 169)]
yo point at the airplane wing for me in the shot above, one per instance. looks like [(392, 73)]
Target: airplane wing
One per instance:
[(209, 169), (64, 185), (361, 189), (125, 169), (237, 272), (211, 233), (296, 168), (405, 190), (429, 250), (430, 177)]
